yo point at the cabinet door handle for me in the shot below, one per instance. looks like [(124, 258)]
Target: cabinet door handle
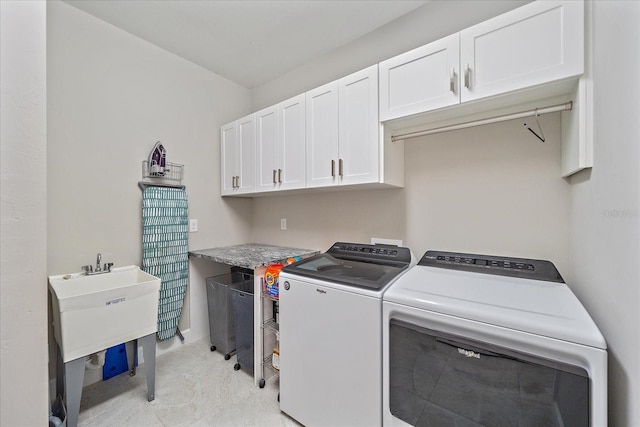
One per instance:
[(452, 81), (333, 168), (340, 167), (467, 76), (279, 176), (237, 181), (274, 176), (233, 182)]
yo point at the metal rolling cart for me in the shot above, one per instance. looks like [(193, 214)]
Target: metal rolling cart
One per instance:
[(270, 338)]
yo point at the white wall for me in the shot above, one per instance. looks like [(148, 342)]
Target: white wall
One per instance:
[(493, 189), (111, 96), (605, 217), (23, 265)]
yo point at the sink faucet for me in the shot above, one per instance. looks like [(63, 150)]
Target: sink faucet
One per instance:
[(89, 270)]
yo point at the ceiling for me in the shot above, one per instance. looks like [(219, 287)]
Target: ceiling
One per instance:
[(249, 42)]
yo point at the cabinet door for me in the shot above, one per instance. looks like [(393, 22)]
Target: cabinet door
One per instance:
[(267, 148), (246, 182), (359, 143), (291, 133), (420, 80), (538, 43), (229, 155), (322, 135)]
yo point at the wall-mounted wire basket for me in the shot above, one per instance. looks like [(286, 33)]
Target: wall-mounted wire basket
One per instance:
[(172, 172)]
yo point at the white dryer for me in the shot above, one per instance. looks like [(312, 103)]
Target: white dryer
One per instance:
[(476, 340)]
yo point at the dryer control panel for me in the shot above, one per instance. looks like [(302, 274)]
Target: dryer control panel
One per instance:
[(489, 264)]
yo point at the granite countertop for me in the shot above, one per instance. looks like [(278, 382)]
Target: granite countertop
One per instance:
[(251, 255)]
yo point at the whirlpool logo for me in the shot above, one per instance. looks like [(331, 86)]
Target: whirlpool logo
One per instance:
[(468, 353)]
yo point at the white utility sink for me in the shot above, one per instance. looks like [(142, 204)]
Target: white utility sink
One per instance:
[(95, 312)]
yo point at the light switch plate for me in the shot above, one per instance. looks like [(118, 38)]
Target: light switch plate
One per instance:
[(193, 225)]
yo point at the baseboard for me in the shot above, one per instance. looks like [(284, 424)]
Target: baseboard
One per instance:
[(169, 345)]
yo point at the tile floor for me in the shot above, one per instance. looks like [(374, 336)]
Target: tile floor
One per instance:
[(194, 387)]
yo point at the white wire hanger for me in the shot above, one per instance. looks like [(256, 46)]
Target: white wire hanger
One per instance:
[(541, 136)]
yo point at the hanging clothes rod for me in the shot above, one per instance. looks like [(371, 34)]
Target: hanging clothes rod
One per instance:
[(143, 185), (538, 111)]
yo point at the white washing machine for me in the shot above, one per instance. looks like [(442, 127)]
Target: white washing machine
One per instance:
[(330, 333), (475, 340)]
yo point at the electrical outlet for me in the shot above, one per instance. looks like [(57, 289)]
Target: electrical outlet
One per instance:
[(193, 225), (283, 223)]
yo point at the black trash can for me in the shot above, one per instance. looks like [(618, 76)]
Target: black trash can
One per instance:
[(222, 331)]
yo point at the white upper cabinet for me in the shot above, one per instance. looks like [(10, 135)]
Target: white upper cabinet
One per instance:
[(267, 148), (238, 152), (292, 147), (322, 135), (342, 131), (280, 139), (538, 43), (358, 128), (246, 182), (420, 80), (229, 154)]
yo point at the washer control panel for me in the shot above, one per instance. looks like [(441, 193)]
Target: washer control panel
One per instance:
[(370, 252)]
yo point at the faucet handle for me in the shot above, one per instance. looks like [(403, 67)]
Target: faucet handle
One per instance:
[(87, 268), (107, 266)]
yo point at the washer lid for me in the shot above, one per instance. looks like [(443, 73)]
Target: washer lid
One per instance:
[(538, 307), (369, 267), (366, 275)]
